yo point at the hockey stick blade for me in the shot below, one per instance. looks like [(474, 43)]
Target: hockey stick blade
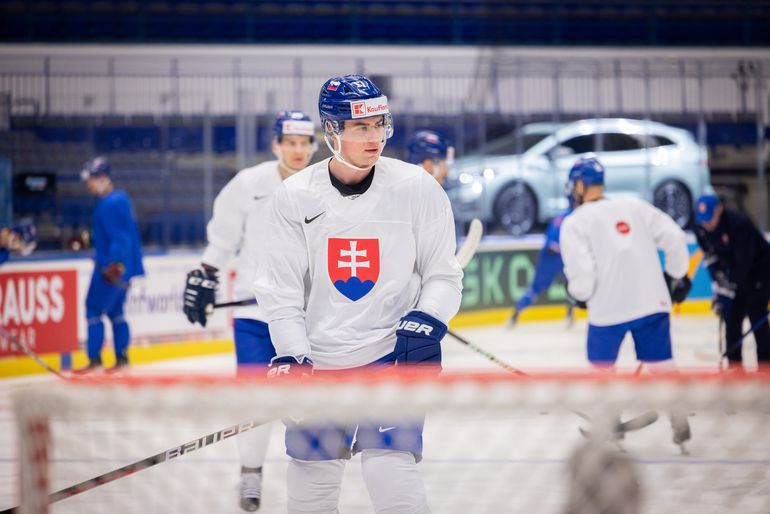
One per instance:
[(636, 423), (639, 422), (148, 462), (29, 353), (471, 244)]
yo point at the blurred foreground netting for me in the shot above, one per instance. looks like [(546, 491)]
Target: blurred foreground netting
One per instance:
[(491, 443)]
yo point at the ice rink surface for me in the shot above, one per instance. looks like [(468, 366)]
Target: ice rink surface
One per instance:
[(485, 463)]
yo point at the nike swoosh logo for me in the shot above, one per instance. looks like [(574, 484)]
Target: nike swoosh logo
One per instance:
[(385, 429), (311, 220), (260, 197)]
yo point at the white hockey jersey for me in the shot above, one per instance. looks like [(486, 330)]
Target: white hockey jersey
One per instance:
[(610, 253), (335, 274), (238, 207)]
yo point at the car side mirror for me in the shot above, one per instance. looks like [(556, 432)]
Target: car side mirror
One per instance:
[(557, 152)]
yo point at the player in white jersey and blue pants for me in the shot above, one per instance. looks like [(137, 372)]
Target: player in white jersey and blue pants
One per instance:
[(610, 252), (238, 210), (357, 247)]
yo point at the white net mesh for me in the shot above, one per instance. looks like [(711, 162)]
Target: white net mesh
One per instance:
[(492, 444)]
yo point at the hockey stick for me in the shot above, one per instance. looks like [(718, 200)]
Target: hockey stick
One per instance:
[(236, 303), (635, 423), (486, 354), (471, 244), (464, 256), (708, 356), (158, 458), (29, 353)]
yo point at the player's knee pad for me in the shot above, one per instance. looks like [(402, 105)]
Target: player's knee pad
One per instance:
[(252, 445), (393, 481), (313, 487)]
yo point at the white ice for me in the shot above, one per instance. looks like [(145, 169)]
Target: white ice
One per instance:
[(512, 462)]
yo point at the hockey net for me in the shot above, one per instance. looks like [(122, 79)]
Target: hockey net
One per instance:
[(492, 443)]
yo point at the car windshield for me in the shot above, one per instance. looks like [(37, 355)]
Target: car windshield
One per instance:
[(513, 144)]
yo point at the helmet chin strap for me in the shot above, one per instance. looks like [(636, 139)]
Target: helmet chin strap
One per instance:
[(338, 154)]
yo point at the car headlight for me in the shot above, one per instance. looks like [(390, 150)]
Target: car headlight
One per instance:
[(488, 174), (465, 178)]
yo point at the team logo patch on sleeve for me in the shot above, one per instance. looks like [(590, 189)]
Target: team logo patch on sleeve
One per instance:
[(354, 265)]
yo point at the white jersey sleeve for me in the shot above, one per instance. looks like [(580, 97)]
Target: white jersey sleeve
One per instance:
[(225, 229), (282, 264), (671, 240), (335, 274), (610, 253), (239, 209), (434, 232), (579, 262)]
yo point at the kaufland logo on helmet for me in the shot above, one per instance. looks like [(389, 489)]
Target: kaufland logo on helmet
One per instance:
[(298, 127), (369, 107)]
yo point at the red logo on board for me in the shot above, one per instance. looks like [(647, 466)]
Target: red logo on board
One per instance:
[(39, 309)]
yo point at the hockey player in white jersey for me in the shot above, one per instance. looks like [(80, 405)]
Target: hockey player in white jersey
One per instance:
[(432, 151), (357, 270), (610, 252), (238, 211)]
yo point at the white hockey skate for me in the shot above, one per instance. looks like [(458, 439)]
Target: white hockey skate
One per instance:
[(251, 488)]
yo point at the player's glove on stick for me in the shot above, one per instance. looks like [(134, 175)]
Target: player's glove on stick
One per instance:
[(113, 273), (290, 366), (418, 340), (200, 294), (724, 292), (678, 288), (574, 302)]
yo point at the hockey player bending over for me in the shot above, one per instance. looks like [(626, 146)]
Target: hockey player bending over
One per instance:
[(610, 251), (432, 151), (239, 209), (357, 270), (738, 259)]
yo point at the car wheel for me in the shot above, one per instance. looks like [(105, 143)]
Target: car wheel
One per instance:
[(674, 199), (516, 209)]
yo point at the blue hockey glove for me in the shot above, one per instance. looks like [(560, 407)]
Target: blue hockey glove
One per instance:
[(418, 339), (678, 288), (290, 366), (200, 294)]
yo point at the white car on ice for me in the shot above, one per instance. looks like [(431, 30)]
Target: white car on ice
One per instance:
[(650, 160)]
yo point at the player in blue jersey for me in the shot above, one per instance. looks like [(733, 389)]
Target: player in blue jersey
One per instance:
[(117, 259), (549, 266)]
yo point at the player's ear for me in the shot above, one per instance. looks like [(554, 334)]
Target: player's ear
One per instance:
[(275, 148)]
